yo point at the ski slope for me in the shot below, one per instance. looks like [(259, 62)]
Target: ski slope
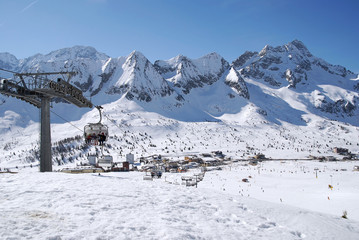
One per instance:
[(123, 206)]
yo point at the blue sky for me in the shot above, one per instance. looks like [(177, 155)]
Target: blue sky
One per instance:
[(162, 29)]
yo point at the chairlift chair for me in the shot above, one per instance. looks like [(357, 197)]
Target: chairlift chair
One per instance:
[(96, 133)]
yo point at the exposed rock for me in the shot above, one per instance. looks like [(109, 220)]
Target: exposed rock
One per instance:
[(187, 74), (239, 62), (234, 80)]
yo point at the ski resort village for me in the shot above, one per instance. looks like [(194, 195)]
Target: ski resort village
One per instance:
[(97, 147)]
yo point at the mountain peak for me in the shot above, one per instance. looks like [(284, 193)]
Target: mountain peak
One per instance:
[(241, 60), (296, 46), (137, 59), (299, 46), (8, 57), (76, 52), (213, 55), (179, 58), (265, 50), (8, 61), (139, 80), (136, 53)]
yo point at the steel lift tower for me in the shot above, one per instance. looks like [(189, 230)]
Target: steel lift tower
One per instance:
[(38, 90)]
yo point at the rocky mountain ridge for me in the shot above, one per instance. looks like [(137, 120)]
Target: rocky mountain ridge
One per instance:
[(210, 86)]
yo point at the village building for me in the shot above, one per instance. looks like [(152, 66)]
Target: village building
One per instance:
[(341, 151)]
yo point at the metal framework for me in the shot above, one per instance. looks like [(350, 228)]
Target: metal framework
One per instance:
[(38, 90)]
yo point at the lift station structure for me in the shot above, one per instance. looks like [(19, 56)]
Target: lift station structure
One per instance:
[(38, 90)]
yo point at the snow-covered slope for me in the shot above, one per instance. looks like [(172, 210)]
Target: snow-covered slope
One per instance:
[(124, 206)]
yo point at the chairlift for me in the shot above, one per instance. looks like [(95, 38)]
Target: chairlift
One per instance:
[(96, 133)]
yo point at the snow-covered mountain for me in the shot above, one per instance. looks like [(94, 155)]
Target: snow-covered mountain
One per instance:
[(309, 81), (279, 98), (208, 83), (288, 75), (8, 61), (187, 74), (140, 80)]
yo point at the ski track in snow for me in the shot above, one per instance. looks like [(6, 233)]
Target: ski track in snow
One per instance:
[(123, 206)]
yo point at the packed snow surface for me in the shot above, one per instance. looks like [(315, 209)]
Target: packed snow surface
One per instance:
[(281, 200)]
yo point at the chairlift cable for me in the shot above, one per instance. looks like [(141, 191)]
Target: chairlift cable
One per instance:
[(66, 121), (8, 71), (114, 123)]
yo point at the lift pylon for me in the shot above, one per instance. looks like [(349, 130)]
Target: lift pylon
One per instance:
[(38, 90)]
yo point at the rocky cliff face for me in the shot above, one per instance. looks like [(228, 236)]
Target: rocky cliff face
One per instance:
[(187, 74), (236, 82)]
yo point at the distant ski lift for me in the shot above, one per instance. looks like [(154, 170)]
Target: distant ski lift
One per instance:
[(96, 133)]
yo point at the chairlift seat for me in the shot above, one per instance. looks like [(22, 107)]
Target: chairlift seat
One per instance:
[(96, 132), (92, 132), (96, 128)]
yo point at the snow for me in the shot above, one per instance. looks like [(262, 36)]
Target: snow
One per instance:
[(232, 75), (123, 206), (337, 93), (210, 64), (295, 183)]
